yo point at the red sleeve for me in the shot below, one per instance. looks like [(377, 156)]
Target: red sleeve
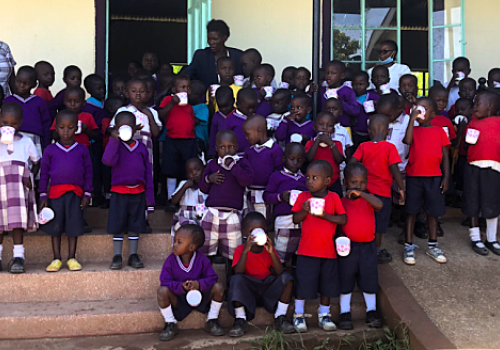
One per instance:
[(297, 208), (359, 152), (394, 157), (336, 203), (165, 101), (90, 122), (309, 145), (237, 254), (444, 139), (53, 127)]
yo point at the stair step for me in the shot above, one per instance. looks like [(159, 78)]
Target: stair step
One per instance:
[(97, 217)]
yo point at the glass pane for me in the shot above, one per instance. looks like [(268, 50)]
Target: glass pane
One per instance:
[(347, 45), (447, 12), (346, 13), (373, 40), (381, 13), (442, 71), (447, 42), (352, 67)]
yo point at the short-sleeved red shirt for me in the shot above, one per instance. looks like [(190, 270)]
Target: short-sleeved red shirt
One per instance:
[(179, 121), (487, 146), (426, 151), (444, 122), (377, 157), (360, 226), (258, 265), (317, 234), (86, 118), (325, 153), (45, 94)]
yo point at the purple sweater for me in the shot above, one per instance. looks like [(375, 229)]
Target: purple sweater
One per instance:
[(234, 122), (218, 124), (362, 120), (350, 104), (287, 128), (282, 181), (229, 194), (264, 107), (264, 161), (97, 112), (130, 166), (66, 166), (36, 118), (174, 273), (57, 104)]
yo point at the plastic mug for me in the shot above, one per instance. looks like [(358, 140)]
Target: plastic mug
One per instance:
[(284, 85), (369, 106), (79, 129), (324, 84), (259, 236), (213, 89), (343, 245), (348, 83), (269, 91), (294, 194), (200, 209), (193, 297), (7, 134), (45, 216), (446, 131), (385, 89), (238, 80), (460, 118), (183, 97), (422, 112), (331, 93), (460, 76), (317, 206), (296, 138), (472, 136), (125, 133)]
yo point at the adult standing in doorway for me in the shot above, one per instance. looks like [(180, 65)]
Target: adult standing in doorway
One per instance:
[(387, 54), (7, 64), (203, 65)]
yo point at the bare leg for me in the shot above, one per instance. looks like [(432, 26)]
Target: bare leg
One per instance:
[(410, 223), (18, 235), (217, 293), (474, 222), (166, 298), (325, 301), (378, 239), (432, 223), (287, 293), (72, 242), (56, 247)]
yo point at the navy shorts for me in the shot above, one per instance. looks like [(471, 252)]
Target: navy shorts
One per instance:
[(482, 186), (183, 309), (426, 191), (317, 275), (383, 216), (336, 187), (176, 152), (360, 267), (68, 216), (127, 212)]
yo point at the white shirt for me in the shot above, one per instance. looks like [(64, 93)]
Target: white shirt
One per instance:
[(453, 96), (140, 118), (397, 132), (21, 150), (191, 196), (396, 71), (342, 135)]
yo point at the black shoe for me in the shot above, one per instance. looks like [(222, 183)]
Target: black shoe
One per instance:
[(384, 257), (135, 261), (345, 321), (170, 207), (169, 331), (373, 319), (490, 246), (466, 222), (105, 205), (117, 263), (420, 230), (148, 228), (402, 237), (213, 328), (440, 230), (282, 324), (479, 250), (17, 266), (240, 327)]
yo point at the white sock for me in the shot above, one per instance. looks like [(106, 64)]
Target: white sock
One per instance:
[(239, 312), (213, 313), (370, 301), (281, 309), (1, 250), (18, 251), (171, 184), (475, 236), (491, 229), (299, 306), (345, 303), (324, 309), (168, 315)]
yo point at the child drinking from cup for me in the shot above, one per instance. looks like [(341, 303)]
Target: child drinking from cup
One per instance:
[(225, 102), (45, 75), (288, 76), (368, 101), (225, 71), (72, 76), (295, 123), (258, 275), (461, 70), (17, 200), (245, 108), (263, 75), (186, 271), (360, 266), (67, 167), (303, 83), (381, 81), (319, 211)]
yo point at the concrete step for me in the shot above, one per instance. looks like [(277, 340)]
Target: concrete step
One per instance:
[(97, 217)]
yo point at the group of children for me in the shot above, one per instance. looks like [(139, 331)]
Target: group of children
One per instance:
[(273, 169)]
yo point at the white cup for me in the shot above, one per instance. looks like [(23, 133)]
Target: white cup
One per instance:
[(294, 194), (183, 97), (193, 297), (7, 134), (423, 111), (460, 118), (460, 76), (348, 83), (446, 131), (369, 106), (331, 93), (296, 138), (472, 136), (213, 89), (324, 84), (79, 129), (238, 80), (317, 206), (259, 236), (45, 216), (125, 133), (386, 89), (200, 209), (343, 245), (269, 91), (284, 85)]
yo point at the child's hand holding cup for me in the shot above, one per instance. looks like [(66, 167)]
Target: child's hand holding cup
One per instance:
[(7, 134), (213, 89), (183, 98), (79, 129), (317, 206)]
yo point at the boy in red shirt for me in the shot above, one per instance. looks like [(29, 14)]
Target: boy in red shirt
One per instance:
[(381, 158), (482, 172), (258, 275), (425, 183), (317, 266), (360, 266)]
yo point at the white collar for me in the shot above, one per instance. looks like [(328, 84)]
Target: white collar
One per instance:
[(131, 149), (304, 123), (269, 144), (400, 119), (294, 176), (239, 114), (24, 100), (68, 149), (181, 265)]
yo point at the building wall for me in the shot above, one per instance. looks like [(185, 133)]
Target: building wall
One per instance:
[(280, 29), (61, 32)]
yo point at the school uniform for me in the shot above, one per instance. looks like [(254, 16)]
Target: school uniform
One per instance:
[(378, 157), (174, 273), (82, 138), (201, 129), (234, 122), (317, 264), (257, 286), (287, 128), (360, 129), (222, 219), (44, 93), (96, 108), (263, 105), (233, 87), (274, 119), (265, 159), (287, 234), (218, 124), (69, 171), (17, 203), (423, 172), (57, 104), (360, 266), (350, 104), (187, 213)]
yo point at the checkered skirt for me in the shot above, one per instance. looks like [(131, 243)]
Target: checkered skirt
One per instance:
[(222, 227), (254, 202), (144, 137), (185, 215), (17, 203)]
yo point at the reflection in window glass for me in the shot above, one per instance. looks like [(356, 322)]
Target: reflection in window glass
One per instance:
[(442, 71), (447, 12), (381, 13), (347, 45), (373, 40), (447, 42), (346, 13)]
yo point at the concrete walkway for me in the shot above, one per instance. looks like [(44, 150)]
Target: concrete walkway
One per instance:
[(462, 297)]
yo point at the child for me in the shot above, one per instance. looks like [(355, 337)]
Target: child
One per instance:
[(166, 68), (463, 107), (186, 270), (288, 76), (263, 75), (426, 183), (225, 70), (150, 95), (461, 67), (258, 276), (188, 195), (381, 158), (368, 101), (341, 134), (265, 156), (360, 266), (132, 190), (279, 102), (303, 81), (325, 148), (17, 195), (335, 75), (119, 87), (440, 96), (466, 89), (201, 114), (380, 76), (72, 76), (36, 122), (295, 122), (165, 82), (482, 173), (150, 63), (45, 74), (96, 88), (245, 108), (494, 80), (132, 68), (277, 193), (66, 165), (317, 266), (408, 87), (224, 180), (250, 59), (225, 100)]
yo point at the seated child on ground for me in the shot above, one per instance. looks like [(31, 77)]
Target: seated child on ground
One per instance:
[(245, 108), (225, 101), (368, 101), (45, 75), (295, 122)]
